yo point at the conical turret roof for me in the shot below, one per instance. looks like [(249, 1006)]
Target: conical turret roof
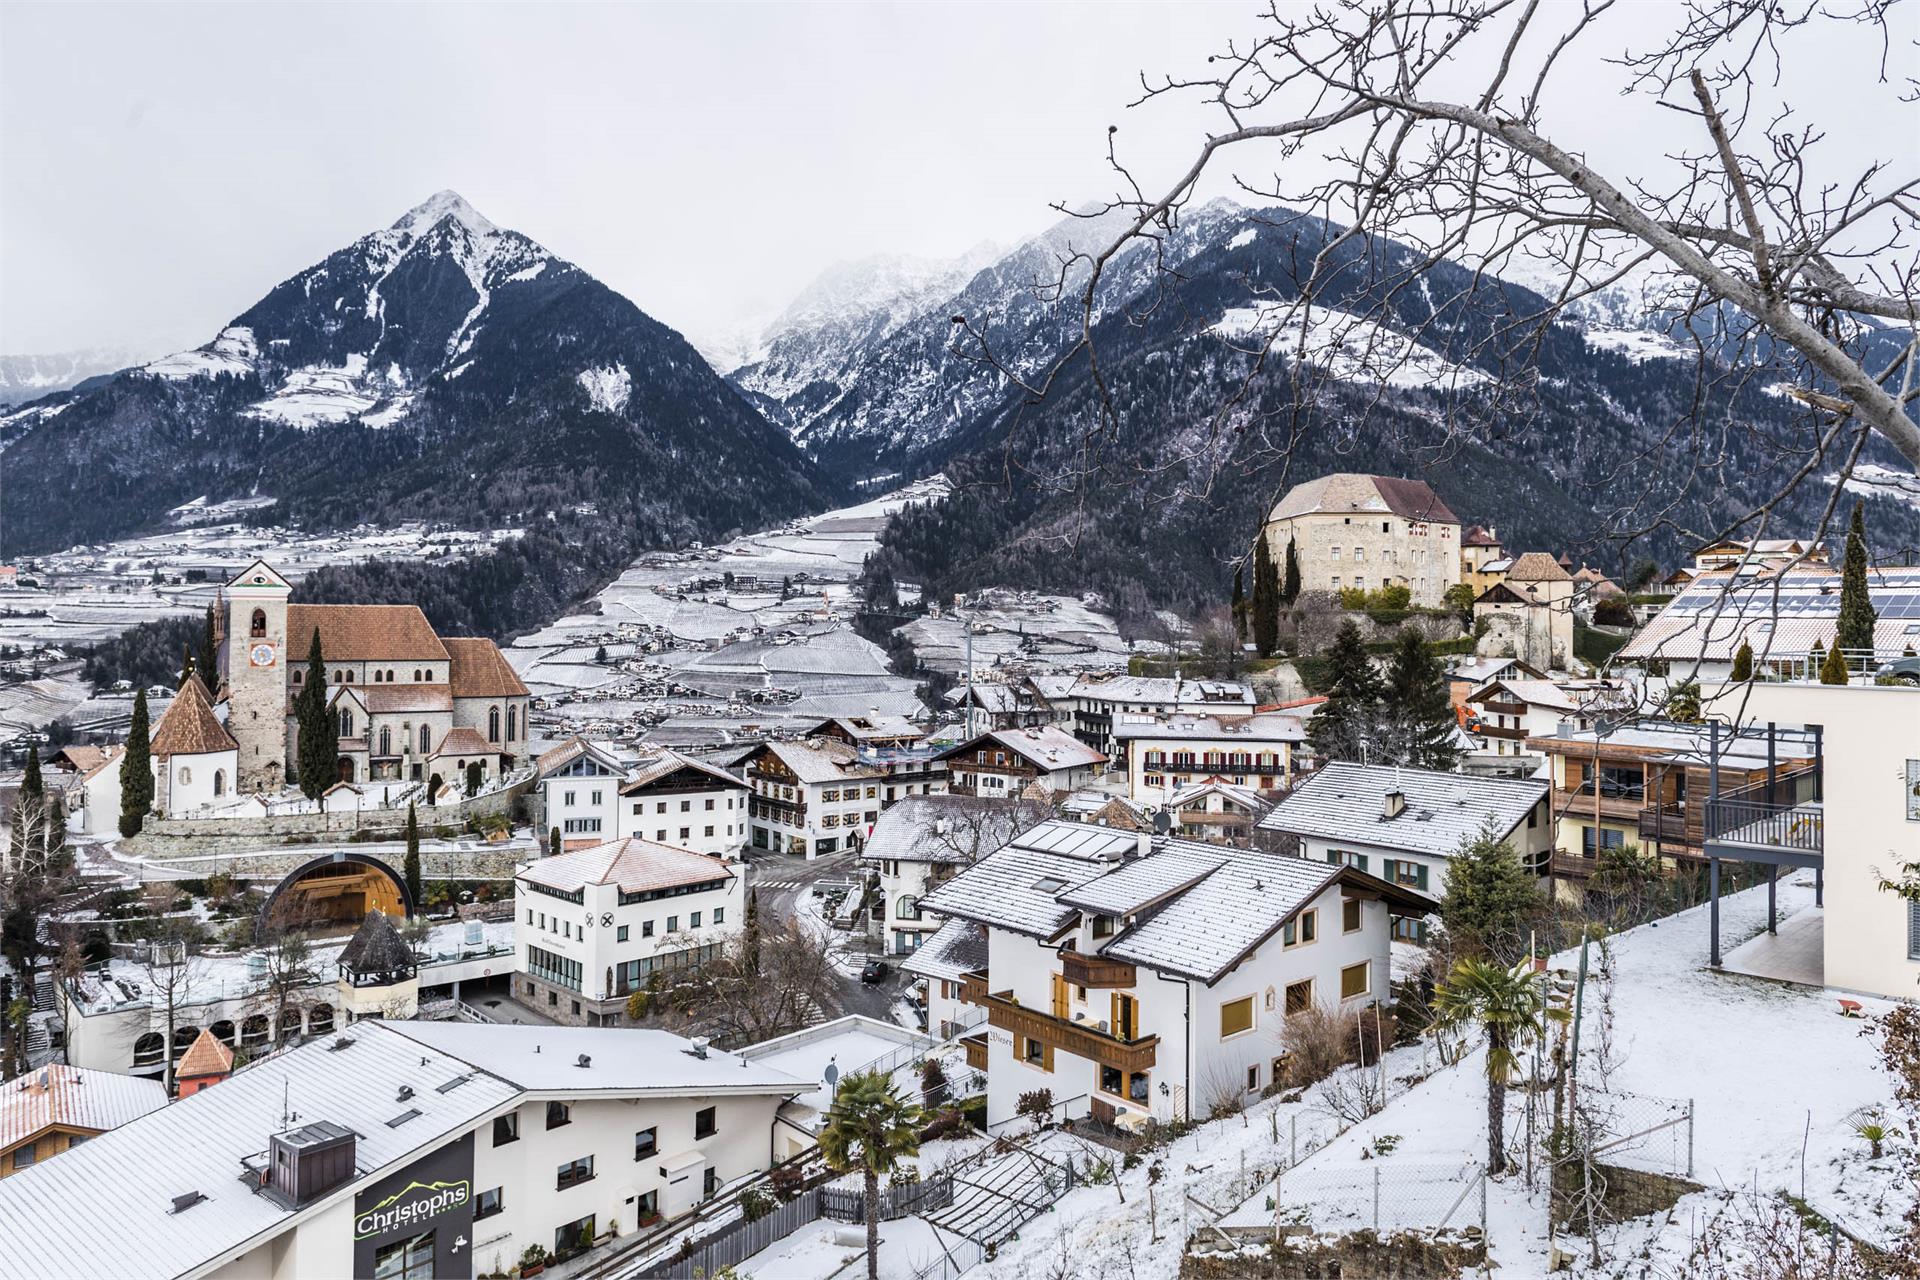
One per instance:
[(376, 947)]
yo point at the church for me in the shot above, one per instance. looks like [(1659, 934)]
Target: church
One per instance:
[(410, 704)]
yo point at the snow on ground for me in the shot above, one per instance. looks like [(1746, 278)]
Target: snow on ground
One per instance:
[(1871, 480), (321, 393), (1351, 347), (608, 387), (1638, 345), (233, 352), (1745, 1051)]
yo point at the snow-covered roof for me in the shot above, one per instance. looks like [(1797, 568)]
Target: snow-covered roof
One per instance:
[(943, 828), (1267, 727), (1443, 810), (635, 865), (667, 763), (819, 760), (1018, 887), (74, 1098), (957, 948), (51, 1216), (1782, 614), (1245, 797), (1205, 930), (1139, 883), (1045, 747)]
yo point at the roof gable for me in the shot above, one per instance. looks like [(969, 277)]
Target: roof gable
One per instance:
[(363, 633), (189, 727)]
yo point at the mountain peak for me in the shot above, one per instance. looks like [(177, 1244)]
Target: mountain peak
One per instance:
[(436, 209)]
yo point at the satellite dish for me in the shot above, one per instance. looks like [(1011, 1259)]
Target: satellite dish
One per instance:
[(832, 1075), (1162, 822)]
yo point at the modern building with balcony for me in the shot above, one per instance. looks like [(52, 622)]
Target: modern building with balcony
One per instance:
[(1132, 976), (825, 794), (1853, 817), (1166, 755), (1645, 783)]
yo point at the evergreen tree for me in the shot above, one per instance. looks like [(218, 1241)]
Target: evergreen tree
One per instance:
[(1683, 702), (1491, 898), (1420, 721), (318, 752), (136, 770), (1743, 663), (1857, 614), (1834, 669), (1239, 603), (209, 659), (753, 929), (1290, 583), (476, 778), (553, 843), (1266, 601), (1347, 725), (411, 869)]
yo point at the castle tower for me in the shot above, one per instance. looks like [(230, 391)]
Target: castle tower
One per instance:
[(253, 660)]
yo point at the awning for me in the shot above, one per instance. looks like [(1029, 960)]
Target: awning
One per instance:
[(681, 1163)]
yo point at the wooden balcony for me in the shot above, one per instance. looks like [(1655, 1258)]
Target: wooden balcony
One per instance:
[(1668, 824), (976, 1050), (1095, 971), (1082, 1039), (1501, 731), (1494, 708), (1580, 805)]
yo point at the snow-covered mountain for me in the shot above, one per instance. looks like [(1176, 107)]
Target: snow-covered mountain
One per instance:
[(24, 378), (440, 367)]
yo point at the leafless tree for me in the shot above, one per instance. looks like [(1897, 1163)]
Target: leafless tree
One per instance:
[(171, 973), (289, 971), (971, 827), (741, 997), (1419, 132)]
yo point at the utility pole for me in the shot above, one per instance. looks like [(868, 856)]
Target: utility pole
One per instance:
[(968, 623)]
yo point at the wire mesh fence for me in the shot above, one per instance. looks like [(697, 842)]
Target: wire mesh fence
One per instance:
[(1387, 1197)]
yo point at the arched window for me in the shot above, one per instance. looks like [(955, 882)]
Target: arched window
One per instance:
[(426, 739), (320, 1020), (908, 908), (379, 677), (219, 782), (148, 1049), (389, 675), (339, 676), (224, 1032), (297, 673), (258, 628), (186, 775), (513, 723), (253, 1032), (493, 724), (386, 741), (346, 723)]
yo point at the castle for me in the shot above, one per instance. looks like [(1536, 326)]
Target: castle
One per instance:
[(410, 704)]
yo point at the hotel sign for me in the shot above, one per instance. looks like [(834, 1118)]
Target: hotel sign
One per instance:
[(433, 1194)]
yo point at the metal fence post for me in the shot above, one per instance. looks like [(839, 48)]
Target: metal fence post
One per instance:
[(1689, 1137), (1376, 1199), (1293, 1131)]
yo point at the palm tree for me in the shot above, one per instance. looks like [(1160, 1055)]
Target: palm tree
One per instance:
[(1509, 1005), (870, 1127)]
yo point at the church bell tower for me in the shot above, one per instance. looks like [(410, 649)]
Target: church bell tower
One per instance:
[(255, 665)]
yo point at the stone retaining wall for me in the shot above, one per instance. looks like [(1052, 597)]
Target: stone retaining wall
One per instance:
[(164, 838)]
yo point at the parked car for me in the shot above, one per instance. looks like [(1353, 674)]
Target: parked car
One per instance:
[(875, 971), (1900, 669)]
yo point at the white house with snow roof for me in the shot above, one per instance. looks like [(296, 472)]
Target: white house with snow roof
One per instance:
[(592, 792), (1003, 763), (1403, 825), (922, 842), (592, 927), (403, 1149), (1131, 975)]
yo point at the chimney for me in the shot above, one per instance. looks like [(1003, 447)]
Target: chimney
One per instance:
[(1393, 804), (1143, 843), (700, 1044)]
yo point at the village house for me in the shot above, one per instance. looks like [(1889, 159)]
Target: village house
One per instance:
[(1505, 712), (1465, 677), (88, 779), (940, 965), (591, 927), (592, 792), (1480, 550), (56, 1108), (404, 1149), (1093, 707), (195, 760), (922, 842), (1404, 825), (1003, 763), (1132, 976), (1001, 706), (408, 704), (1368, 532), (1757, 553), (1529, 613), (1216, 812), (1165, 755), (823, 795)]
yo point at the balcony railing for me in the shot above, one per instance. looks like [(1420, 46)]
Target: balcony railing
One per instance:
[(1095, 971), (1082, 1039), (1791, 828), (1505, 708), (1667, 824), (1515, 734)]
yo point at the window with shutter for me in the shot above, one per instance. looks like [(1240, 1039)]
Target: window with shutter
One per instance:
[(1913, 931)]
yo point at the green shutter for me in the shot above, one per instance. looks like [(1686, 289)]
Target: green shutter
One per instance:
[(1390, 871), (1363, 862), (1420, 876), (1333, 855)]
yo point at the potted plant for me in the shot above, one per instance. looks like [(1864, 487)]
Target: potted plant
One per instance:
[(533, 1261), (648, 1217)]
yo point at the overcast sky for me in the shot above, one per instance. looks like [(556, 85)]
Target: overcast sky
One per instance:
[(163, 165)]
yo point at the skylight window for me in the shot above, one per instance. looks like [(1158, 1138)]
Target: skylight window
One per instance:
[(1049, 884), (411, 1113)]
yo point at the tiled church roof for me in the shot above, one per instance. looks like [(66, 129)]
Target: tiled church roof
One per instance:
[(189, 728), (363, 633), (481, 671)]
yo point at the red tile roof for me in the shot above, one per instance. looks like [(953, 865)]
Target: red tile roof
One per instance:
[(480, 670), (363, 633), (189, 728)]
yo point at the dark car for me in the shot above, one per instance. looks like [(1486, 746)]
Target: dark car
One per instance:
[(1900, 669), (875, 971)]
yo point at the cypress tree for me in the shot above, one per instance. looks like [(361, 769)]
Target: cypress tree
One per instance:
[(1290, 584), (318, 745), (553, 843), (411, 869), (1743, 663), (1419, 710), (753, 930), (208, 662), (136, 770), (1857, 614), (1266, 601), (1239, 603), (476, 778), (1347, 726)]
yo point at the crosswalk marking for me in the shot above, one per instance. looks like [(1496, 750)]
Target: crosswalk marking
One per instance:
[(776, 884)]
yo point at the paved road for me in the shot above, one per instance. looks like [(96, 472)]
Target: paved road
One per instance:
[(780, 879)]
